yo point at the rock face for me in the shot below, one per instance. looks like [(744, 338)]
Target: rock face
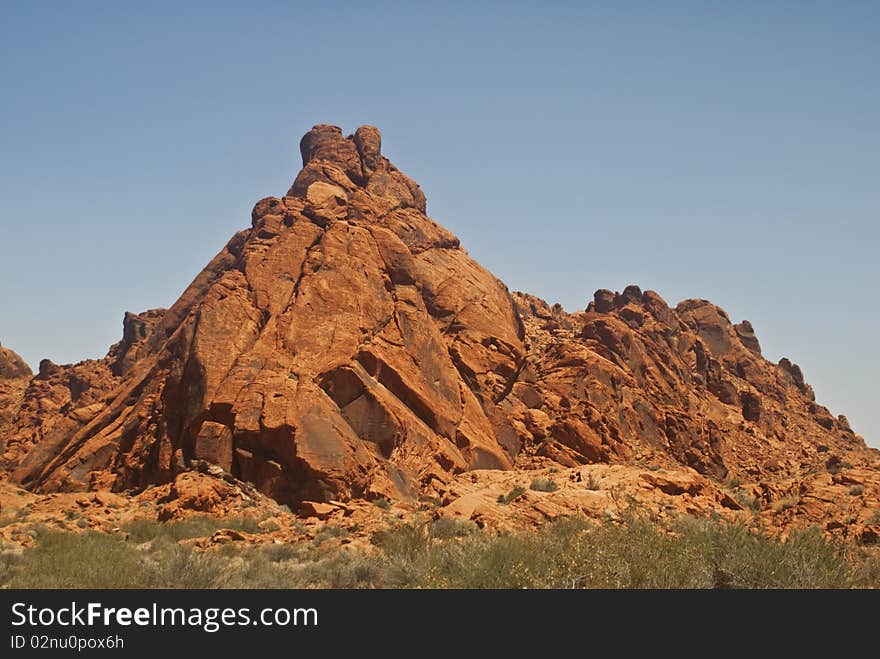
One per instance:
[(346, 346), (631, 379), (12, 366), (53, 406), (14, 376)]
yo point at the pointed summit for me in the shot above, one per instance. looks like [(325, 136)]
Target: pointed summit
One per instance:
[(343, 346), (354, 163)]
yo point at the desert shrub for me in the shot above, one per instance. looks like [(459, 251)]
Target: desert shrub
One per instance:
[(100, 560), (8, 562), (330, 531), (197, 526), (449, 527), (250, 567), (513, 495), (78, 560), (572, 553), (635, 554), (857, 490), (543, 484), (405, 540), (739, 557), (142, 530), (182, 567), (277, 553), (866, 568), (506, 561), (342, 570)]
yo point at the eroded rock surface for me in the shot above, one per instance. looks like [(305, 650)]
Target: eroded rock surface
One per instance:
[(343, 346), (346, 347), (631, 379)]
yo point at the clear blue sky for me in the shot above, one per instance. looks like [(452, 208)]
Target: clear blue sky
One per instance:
[(725, 150)]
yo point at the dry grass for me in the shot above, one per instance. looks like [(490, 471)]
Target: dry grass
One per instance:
[(543, 484), (455, 554)]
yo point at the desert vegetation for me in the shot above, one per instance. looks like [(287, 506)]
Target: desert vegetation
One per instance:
[(446, 553)]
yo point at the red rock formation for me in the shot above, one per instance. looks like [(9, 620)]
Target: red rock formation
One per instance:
[(633, 379), (12, 366), (54, 405), (346, 346), (14, 376)]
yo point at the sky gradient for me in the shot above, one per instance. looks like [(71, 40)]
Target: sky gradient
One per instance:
[(727, 151)]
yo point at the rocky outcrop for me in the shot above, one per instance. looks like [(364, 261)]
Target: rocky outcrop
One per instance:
[(510, 501), (345, 346), (631, 379), (12, 366), (54, 405), (136, 328), (14, 376)]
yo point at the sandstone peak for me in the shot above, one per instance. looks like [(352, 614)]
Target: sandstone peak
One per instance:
[(321, 142), (11, 365), (354, 163), (326, 142), (345, 346)]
